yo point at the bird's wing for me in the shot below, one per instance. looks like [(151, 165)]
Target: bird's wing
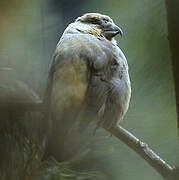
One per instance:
[(78, 89), (119, 92)]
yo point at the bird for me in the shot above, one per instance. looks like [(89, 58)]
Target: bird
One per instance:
[(89, 78)]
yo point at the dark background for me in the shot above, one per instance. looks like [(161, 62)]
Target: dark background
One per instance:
[(30, 30)]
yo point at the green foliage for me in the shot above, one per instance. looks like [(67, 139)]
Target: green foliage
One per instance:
[(62, 171)]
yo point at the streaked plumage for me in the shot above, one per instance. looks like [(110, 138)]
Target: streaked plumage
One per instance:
[(91, 81)]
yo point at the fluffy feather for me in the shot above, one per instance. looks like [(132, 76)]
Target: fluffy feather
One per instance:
[(91, 80)]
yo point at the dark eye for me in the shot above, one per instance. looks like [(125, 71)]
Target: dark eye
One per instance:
[(115, 63), (105, 20)]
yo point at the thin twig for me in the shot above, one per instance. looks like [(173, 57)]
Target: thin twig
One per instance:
[(141, 148)]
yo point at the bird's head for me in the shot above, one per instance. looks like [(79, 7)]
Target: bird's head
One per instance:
[(98, 25)]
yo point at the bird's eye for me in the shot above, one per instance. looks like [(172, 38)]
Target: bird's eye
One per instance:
[(105, 20), (114, 63)]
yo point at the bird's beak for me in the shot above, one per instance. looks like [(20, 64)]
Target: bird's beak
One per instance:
[(111, 31)]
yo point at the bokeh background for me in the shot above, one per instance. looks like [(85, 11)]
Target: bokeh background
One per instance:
[(29, 32)]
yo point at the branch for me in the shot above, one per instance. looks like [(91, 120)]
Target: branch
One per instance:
[(163, 168)]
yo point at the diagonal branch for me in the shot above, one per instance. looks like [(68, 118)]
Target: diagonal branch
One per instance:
[(163, 168)]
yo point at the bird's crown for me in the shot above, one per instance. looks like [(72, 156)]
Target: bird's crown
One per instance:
[(98, 25), (94, 18)]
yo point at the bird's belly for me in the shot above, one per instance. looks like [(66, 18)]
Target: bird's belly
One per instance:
[(70, 86)]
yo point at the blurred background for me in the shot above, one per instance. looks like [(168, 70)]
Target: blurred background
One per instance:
[(29, 32)]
